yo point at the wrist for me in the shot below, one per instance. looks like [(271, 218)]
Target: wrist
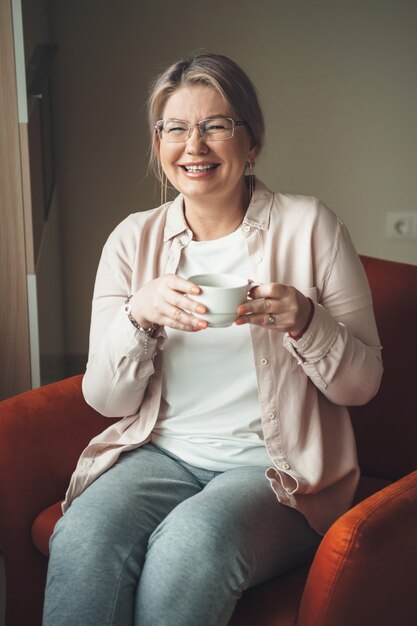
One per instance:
[(147, 328), (298, 335)]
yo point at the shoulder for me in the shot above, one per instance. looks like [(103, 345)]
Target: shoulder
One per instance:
[(135, 227), (306, 218), (295, 210), (301, 222), (136, 222), (310, 209)]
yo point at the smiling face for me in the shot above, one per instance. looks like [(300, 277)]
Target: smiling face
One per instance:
[(205, 171)]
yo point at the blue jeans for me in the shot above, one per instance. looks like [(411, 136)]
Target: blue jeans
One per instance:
[(157, 542)]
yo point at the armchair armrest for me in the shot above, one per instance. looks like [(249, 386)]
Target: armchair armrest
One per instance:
[(42, 433), (365, 569)]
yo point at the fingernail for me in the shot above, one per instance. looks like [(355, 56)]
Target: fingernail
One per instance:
[(201, 309)]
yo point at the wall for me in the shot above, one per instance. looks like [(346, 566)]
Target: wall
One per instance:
[(337, 83)]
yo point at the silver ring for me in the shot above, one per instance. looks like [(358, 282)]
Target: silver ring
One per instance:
[(271, 320)]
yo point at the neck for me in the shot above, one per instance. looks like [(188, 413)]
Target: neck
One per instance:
[(209, 229), (212, 219)]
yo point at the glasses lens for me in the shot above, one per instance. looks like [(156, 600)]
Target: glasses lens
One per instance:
[(214, 129), (174, 130), (217, 128)]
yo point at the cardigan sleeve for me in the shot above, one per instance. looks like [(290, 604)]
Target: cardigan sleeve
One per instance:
[(341, 351), (121, 357)]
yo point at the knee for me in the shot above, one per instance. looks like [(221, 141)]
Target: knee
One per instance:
[(82, 538), (203, 542), (195, 555), (73, 541)]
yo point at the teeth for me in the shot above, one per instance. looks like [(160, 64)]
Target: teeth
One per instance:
[(198, 168)]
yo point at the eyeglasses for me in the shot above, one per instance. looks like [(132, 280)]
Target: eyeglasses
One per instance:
[(212, 129)]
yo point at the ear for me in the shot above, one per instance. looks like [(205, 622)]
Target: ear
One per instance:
[(252, 154)]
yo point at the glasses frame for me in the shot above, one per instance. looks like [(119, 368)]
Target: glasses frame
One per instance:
[(160, 123)]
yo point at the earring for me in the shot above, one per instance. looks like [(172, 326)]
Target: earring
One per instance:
[(251, 165), (164, 184)]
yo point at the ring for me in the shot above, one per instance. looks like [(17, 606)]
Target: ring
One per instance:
[(271, 320)]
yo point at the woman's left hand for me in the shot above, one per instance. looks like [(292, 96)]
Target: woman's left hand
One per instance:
[(277, 307)]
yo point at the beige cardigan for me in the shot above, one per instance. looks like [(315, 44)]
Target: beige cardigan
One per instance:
[(304, 386)]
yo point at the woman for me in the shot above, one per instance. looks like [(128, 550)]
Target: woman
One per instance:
[(236, 451)]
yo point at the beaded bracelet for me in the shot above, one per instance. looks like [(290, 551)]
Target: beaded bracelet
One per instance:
[(128, 310)]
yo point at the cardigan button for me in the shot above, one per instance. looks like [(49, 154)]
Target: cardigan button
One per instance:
[(285, 466)]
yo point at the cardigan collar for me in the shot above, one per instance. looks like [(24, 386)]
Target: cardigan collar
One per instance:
[(257, 214)]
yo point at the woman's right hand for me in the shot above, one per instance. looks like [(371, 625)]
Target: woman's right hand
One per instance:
[(163, 301)]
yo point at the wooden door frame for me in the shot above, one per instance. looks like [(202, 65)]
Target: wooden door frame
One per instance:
[(15, 365)]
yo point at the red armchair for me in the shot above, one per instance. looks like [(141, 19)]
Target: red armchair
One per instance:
[(365, 570)]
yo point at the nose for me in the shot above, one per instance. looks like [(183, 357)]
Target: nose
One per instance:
[(196, 143)]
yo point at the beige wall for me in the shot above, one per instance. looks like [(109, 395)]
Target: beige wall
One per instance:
[(337, 83)]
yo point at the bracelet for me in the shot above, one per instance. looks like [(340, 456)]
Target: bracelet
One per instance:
[(128, 310), (307, 324)]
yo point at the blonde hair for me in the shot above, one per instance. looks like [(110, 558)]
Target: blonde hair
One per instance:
[(216, 71)]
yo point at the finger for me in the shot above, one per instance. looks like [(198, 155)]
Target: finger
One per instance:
[(175, 317), (268, 290), (260, 305), (185, 303), (182, 285), (267, 320)]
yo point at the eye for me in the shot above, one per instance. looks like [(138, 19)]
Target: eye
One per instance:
[(218, 127), (175, 126), (213, 125)]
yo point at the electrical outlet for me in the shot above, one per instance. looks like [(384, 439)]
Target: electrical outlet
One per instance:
[(402, 226)]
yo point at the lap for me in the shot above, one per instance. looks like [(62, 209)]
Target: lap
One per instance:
[(151, 523), (136, 493), (238, 512), (147, 495)]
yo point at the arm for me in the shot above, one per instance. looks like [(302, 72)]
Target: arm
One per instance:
[(121, 357), (340, 351), (338, 347), (120, 360)]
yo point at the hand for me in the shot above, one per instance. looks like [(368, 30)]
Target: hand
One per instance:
[(163, 301), (277, 307)]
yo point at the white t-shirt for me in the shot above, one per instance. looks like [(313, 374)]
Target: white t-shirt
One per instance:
[(210, 415)]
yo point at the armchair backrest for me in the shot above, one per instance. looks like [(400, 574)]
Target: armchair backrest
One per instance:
[(386, 428)]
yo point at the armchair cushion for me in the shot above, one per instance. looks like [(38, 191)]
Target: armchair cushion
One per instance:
[(256, 605), (44, 525)]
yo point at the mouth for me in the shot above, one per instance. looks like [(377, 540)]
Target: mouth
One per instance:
[(199, 168)]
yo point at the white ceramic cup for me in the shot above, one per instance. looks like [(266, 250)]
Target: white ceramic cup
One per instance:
[(221, 294)]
